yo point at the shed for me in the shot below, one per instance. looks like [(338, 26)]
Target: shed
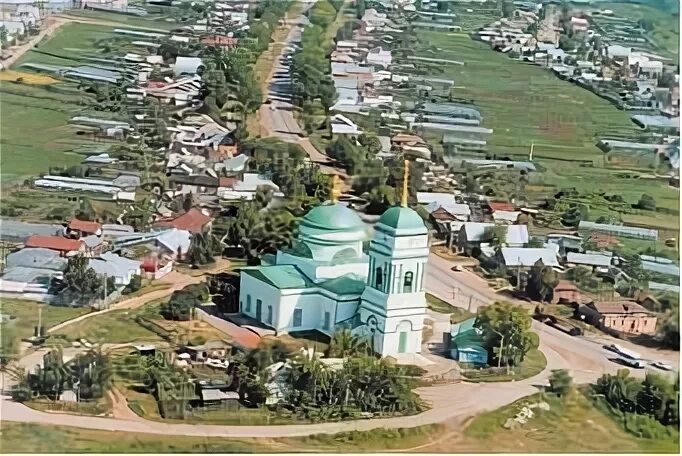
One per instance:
[(466, 343)]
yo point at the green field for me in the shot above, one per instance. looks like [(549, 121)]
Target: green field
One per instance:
[(666, 26), (525, 104), (67, 44), (26, 317), (33, 137)]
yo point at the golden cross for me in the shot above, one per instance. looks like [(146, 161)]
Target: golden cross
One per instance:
[(406, 180)]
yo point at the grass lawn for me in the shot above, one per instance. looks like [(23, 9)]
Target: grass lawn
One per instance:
[(457, 314), (26, 317), (115, 327), (571, 427), (534, 363)]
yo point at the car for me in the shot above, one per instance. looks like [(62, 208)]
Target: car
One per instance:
[(636, 363), (661, 365)]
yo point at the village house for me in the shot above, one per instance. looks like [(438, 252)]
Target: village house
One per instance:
[(620, 316), (65, 246), (194, 221), (566, 292), (112, 265), (77, 229), (525, 258), (474, 235)]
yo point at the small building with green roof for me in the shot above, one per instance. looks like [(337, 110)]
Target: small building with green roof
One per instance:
[(467, 344)]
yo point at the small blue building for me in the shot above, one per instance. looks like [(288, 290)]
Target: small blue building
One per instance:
[(466, 343)]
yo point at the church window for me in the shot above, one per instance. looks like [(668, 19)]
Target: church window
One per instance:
[(298, 317), (327, 320), (407, 282), (379, 279), (248, 303), (269, 320)]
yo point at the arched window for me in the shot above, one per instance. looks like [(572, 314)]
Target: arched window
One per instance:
[(407, 282), (379, 279)]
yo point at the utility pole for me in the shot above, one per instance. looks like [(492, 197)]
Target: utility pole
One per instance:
[(40, 320), (530, 155)]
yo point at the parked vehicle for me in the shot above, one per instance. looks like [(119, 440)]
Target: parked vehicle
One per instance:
[(632, 362), (661, 365)]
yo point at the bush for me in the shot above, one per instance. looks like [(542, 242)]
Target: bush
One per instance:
[(647, 203), (134, 285), (560, 382)]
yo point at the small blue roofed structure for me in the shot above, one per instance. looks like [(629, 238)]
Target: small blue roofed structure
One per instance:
[(466, 343)]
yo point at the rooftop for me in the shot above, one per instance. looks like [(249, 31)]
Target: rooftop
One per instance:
[(193, 221), (58, 243), (618, 307)]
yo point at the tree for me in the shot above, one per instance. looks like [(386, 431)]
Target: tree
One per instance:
[(81, 284), (560, 382), (322, 14), (180, 305), (669, 328), (542, 281), (506, 331), (647, 203), (370, 142), (202, 248), (3, 35), (344, 344)]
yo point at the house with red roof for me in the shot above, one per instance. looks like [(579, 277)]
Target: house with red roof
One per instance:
[(81, 228), (64, 246), (501, 206), (194, 221)]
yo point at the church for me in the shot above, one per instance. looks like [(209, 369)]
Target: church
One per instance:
[(328, 280)]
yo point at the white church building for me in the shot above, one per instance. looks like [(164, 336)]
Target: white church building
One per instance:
[(327, 281)]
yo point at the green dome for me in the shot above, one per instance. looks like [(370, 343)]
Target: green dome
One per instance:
[(332, 217), (402, 218)]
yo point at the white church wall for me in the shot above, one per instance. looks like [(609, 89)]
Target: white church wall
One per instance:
[(313, 308), (251, 290)]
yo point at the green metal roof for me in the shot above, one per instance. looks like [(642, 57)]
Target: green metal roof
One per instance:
[(332, 217), (402, 218), (280, 276), (348, 284), (466, 335)]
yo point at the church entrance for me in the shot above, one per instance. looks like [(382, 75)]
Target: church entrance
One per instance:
[(402, 342)]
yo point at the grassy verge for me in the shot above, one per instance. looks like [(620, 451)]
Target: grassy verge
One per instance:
[(457, 314), (571, 426), (25, 315), (534, 363)]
